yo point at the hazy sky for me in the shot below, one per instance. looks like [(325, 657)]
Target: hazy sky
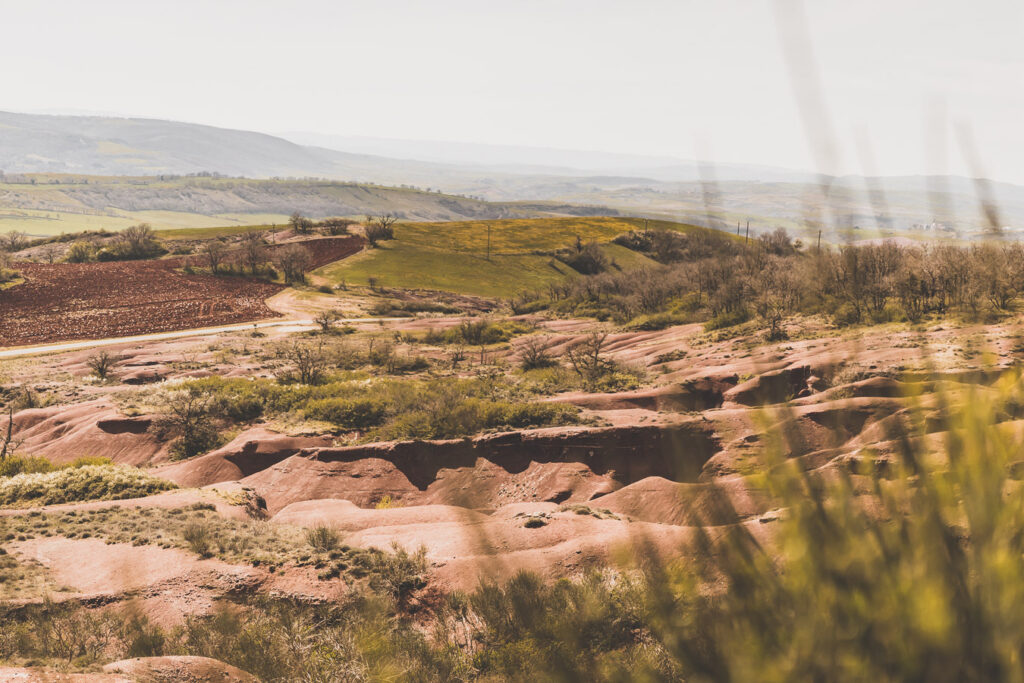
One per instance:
[(726, 79)]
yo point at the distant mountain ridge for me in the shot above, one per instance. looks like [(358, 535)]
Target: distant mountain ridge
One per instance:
[(717, 195)]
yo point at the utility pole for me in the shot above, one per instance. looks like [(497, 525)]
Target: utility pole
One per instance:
[(488, 243), (737, 228), (819, 241), (748, 233)]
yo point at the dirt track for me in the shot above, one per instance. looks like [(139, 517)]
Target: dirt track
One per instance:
[(68, 301)]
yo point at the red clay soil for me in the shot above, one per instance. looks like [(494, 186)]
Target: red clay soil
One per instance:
[(68, 301), (179, 669), (559, 465)]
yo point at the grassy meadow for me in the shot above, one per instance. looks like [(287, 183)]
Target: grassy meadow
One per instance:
[(452, 256)]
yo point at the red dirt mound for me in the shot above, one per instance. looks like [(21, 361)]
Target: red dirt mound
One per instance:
[(484, 472), (171, 583), (94, 428), (179, 668), (34, 675), (251, 451)]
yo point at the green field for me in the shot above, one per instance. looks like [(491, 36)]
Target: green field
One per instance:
[(453, 256), (48, 223), (219, 231)]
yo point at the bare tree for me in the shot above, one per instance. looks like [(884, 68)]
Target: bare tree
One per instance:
[(294, 261), (380, 228), (13, 241), (51, 252), (253, 253), (310, 362), (138, 239), (325, 319), (215, 252), (533, 353), (8, 444), (585, 358), (101, 364)]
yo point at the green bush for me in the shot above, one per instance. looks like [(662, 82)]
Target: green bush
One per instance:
[(80, 252), (237, 407), (24, 464), (727, 319), (347, 413)]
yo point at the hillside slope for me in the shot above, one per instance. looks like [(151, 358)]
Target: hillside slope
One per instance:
[(49, 204)]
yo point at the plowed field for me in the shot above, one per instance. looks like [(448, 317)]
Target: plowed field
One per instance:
[(67, 301)]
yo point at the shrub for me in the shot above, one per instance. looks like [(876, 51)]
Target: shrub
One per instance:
[(386, 502), (24, 464), (727, 319), (323, 538), (348, 413), (657, 321), (80, 252), (399, 572), (101, 364), (587, 259), (199, 538), (533, 354)]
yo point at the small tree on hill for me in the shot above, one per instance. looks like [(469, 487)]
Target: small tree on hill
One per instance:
[(300, 223), (138, 240), (188, 415), (380, 228)]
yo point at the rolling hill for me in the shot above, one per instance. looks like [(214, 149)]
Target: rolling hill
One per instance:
[(54, 203)]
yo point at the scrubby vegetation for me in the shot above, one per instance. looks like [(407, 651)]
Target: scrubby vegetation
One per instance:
[(7, 273), (134, 242), (722, 281), (434, 408), (474, 332), (37, 485)]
